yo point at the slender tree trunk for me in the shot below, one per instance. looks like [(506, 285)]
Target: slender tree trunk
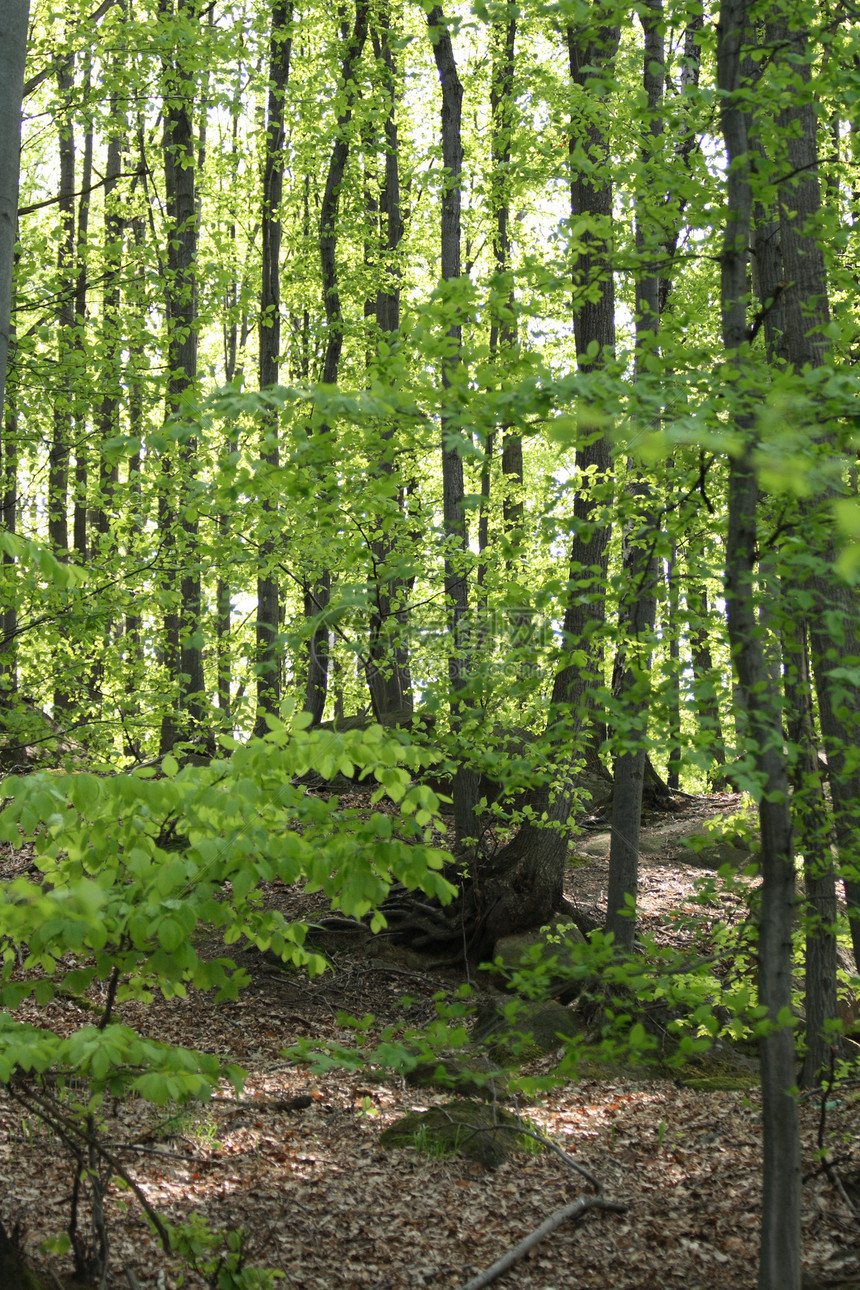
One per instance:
[(58, 464), (14, 18), (638, 609), (812, 825), (706, 677), (672, 630), (465, 788), (524, 884), (8, 568), (388, 674), (183, 624), (268, 662), (503, 325), (79, 409), (833, 622), (133, 650), (318, 589), (779, 1266), (114, 228)]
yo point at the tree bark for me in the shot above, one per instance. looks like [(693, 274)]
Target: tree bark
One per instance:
[(388, 672), (779, 1264), (268, 662), (14, 18), (706, 678), (183, 625), (317, 593), (13, 53), (638, 609), (812, 825), (58, 463), (524, 884), (833, 621), (465, 788)]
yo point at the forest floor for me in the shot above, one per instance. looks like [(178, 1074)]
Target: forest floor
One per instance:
[(297, 1162)]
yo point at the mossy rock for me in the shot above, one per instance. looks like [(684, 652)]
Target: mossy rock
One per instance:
[(726, 1083), (715, 853), (519, 1030), (470, 1129), (472, 1075), (604, 1070), (728, 1070), (539, 945)]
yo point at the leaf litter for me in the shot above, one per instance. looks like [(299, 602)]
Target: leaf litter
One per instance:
[(297, 1164)]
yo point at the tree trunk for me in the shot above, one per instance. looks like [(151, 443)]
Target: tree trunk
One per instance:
[(318, 589), (465, 788), (13, 53), (779, 1265), (80, 535), (638, 608), (833, 621), (183, 624), (707, 679), (524, 884), (671, 628), (812, 825), (268, 663), (388, 673), (58, 464), (8, 567)]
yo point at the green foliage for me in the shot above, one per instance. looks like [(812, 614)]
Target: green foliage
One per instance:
[(131, 871), (221, 1258)]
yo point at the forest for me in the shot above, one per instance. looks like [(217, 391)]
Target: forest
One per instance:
[(429, 547)]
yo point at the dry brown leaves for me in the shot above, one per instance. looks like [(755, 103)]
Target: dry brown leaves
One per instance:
[(297, 1162)]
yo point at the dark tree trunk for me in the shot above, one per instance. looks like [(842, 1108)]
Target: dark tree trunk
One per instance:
[(503, 327), (318, 589), (833, 621), (58, 463), (79, 413), (779, 1266), (812, 825), (183, 650), (133, 652), (8, 569), (13, 55), (638, 608), (388, 673), (465, 788), (707, 679), (672, 629), (268, 661), (524, 884), (112, 340), (13, 49)]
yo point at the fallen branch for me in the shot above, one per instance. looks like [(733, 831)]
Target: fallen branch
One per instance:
[(576, 1209)]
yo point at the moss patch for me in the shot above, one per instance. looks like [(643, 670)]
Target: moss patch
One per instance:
[(469, 1129), (738, 1082), (519, 1030)]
